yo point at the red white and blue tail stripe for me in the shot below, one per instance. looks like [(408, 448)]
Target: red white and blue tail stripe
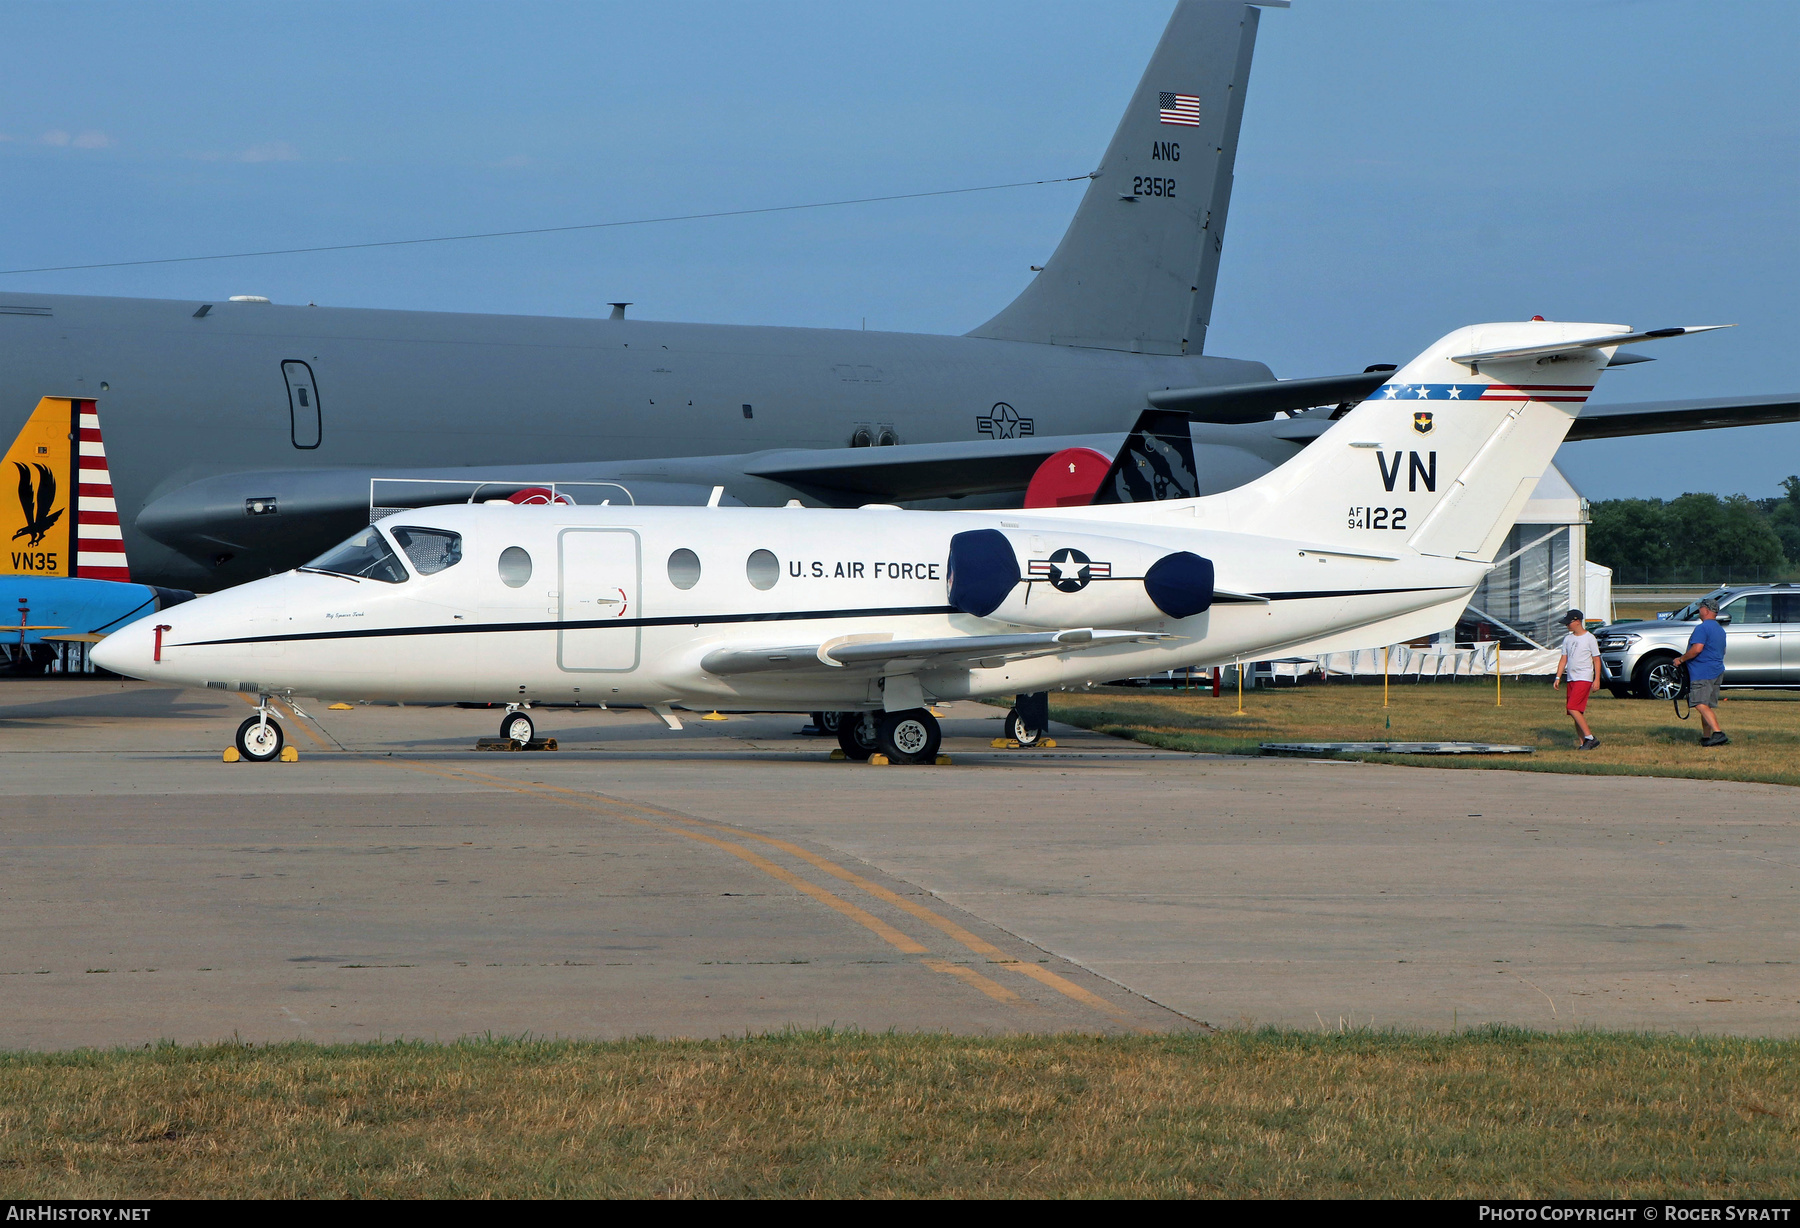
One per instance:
[(99, 542), (1567, 393)]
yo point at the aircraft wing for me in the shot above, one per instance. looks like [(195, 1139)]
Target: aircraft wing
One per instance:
[(888, 655), (1258, 402), (902, 473), (1656, 417)]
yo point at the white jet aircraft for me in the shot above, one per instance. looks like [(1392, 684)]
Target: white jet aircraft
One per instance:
[(1379, 531)]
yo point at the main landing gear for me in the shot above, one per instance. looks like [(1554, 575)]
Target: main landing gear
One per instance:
[(911, 736), (517, 726), (259, 738)]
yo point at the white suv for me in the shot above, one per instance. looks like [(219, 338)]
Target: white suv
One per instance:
[(1762, 643)]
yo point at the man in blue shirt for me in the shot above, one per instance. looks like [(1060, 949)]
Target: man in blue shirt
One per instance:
[(1705, 659)]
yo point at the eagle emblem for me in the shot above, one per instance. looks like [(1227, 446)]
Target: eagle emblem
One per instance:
[(36, 505), (1422, 422)]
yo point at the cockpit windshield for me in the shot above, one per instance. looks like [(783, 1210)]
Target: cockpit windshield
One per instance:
[(1691, 611), (429, 550), (365, 556)]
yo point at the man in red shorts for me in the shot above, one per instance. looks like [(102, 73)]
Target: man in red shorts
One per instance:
[(1579, 652)]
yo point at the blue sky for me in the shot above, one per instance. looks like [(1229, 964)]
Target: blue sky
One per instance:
[(1405, 168)]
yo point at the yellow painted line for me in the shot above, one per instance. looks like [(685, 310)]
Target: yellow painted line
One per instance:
[(1065, 986), (893, 937), (951, 929), (992, 989)]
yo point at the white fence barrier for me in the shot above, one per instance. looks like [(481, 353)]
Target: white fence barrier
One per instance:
[(1435, 661)]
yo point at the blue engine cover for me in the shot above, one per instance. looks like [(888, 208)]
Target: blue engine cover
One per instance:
[(983, 570), (74, 605), (1180, 584)]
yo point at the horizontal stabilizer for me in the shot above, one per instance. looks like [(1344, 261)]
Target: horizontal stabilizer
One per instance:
[(1585, 343), (962, 650), (1234, 403), (1658, 417)]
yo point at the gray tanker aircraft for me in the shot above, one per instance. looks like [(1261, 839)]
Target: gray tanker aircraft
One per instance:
[(246, 437)]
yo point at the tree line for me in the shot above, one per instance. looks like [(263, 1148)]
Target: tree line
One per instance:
[(1657, 538)]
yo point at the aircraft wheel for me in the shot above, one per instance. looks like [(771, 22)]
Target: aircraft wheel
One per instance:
[(912, 736), (518, 727), (1019, 731), (828, 722), (258, 740), (856, 733)]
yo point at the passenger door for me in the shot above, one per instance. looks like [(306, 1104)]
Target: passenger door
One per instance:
[(1787, 614), (305, 422), (598, 581), (1752, 640)]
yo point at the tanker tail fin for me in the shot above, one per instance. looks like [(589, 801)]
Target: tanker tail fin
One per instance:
[(1135, 270)]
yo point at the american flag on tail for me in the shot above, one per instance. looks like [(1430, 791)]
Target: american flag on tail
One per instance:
[(1182, 109)]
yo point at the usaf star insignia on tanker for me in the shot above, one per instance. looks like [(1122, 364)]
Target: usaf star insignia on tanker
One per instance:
[(713, 606)]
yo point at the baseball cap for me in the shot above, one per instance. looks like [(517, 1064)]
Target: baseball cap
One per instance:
[(1573, 616)]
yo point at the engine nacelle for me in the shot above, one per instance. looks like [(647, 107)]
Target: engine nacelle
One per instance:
[(1074, 579)]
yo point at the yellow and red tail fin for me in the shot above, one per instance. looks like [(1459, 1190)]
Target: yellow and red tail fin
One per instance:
[(63, 521)]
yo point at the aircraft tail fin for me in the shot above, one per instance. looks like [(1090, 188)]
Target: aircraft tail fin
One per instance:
[(1442, 457), (1136, 268), (62, 521), (1156, 462)]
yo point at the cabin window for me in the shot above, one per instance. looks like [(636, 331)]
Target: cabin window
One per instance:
[(764, 569), (684, 569), (515, 567), (430, 550), (365, 556)]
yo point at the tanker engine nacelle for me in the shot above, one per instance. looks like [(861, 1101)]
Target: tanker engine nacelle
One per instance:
[(1051, 579)]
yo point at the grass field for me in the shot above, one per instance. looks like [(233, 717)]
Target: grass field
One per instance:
[(1496, 1113), (1638, 737), (1626, 611)]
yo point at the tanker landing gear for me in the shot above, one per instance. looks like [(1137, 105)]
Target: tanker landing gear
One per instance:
[(259, 738), (1018, 731), (1029, 721), (517, 726)]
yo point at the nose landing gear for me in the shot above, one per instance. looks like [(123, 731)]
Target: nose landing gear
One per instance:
[(259, 738), (516, 725)]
